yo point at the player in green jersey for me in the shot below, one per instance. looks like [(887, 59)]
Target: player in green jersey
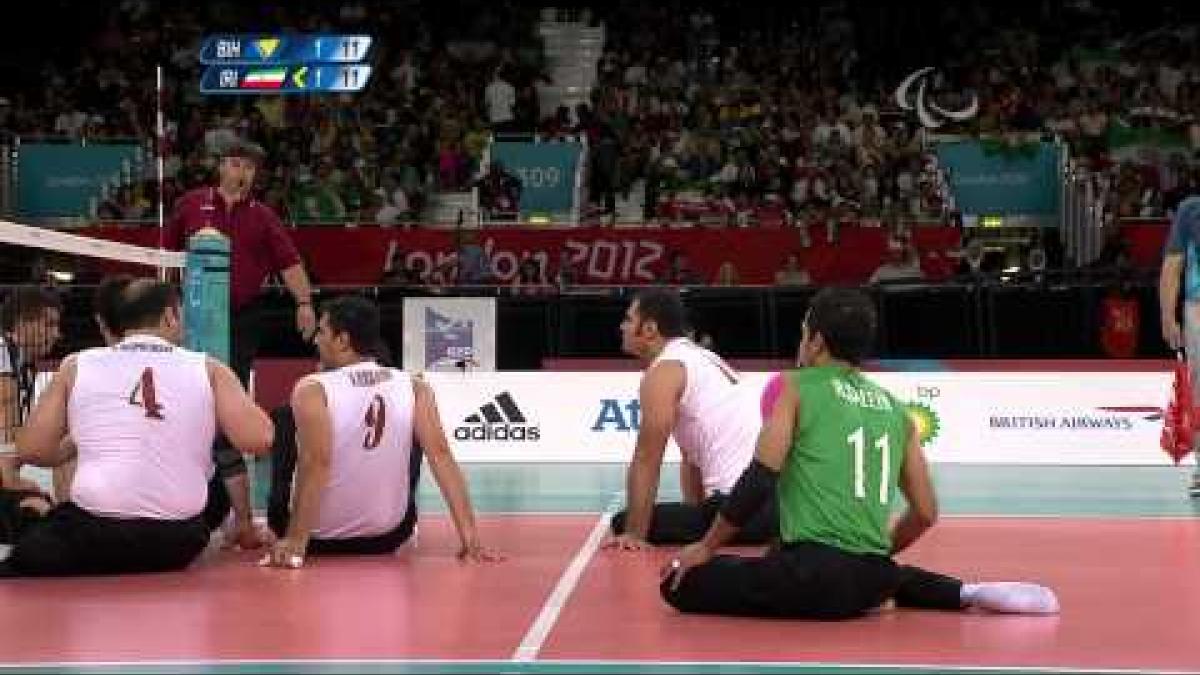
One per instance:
[(835, 451)]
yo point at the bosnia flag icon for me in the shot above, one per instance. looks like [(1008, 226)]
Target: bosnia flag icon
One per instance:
[(266, 47)]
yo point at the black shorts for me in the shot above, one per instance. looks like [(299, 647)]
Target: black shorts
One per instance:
[(808, 580), (387, 542), (71, 541)]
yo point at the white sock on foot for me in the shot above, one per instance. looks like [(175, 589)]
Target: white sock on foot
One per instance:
[(1010, 597)]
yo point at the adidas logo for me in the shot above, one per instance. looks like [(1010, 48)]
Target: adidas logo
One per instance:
[(499, 420)]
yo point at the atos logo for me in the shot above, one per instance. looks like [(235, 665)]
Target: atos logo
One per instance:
[(618, 415)]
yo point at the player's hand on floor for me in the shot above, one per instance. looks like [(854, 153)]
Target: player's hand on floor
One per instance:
[(476, 552), (626, 542), (287, 553), (250, 536), (692, 555)]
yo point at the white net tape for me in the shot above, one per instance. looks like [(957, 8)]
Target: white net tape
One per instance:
[(62, 242)]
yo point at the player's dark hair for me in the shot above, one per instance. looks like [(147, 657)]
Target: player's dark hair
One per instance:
[(27, 302), (846, 319), (664, 307), (358, 318), (106, 303), (143, 303)]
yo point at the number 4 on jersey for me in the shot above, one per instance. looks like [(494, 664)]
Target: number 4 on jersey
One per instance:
[(148, 398)]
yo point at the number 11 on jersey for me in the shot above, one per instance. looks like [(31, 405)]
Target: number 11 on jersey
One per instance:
[(858, 439)]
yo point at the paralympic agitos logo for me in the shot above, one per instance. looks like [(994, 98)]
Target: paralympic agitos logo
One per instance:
[(914, 93)]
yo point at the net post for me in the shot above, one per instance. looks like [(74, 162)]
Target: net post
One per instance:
[(206, 294)]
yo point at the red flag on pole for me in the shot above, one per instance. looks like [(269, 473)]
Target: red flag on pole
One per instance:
[(1179, 419)]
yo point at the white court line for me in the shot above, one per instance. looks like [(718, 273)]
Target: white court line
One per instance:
[(536, 636)]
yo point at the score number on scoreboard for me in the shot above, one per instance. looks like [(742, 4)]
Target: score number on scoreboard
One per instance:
[(285, 64)]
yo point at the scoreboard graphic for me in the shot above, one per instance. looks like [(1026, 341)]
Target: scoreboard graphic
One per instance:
[(285, 64)]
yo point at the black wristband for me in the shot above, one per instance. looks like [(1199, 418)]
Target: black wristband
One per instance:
[(752, 490)]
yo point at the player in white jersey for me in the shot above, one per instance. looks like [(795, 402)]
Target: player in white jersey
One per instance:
[(106, 312), (355, 457), (142, 414), (690, 393)]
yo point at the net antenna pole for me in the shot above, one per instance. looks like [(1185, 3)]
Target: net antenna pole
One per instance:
[(161, 158)]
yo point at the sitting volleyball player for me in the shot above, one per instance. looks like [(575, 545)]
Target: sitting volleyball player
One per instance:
[(355, 454), (832, 453), (143, 414), (690, 393), (106, 311)]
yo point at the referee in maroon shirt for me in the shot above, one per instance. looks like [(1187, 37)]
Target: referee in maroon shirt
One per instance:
[(260, 246)]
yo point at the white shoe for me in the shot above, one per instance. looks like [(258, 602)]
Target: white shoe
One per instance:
[(1013, 597)]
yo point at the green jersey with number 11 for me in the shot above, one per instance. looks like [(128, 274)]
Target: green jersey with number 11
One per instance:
[(840, 476)]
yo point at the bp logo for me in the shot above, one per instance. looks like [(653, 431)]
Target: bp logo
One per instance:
[(925, 419)]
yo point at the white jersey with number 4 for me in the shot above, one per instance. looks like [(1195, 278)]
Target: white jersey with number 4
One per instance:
[(371, 416), (143, 417), (718, 421)]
